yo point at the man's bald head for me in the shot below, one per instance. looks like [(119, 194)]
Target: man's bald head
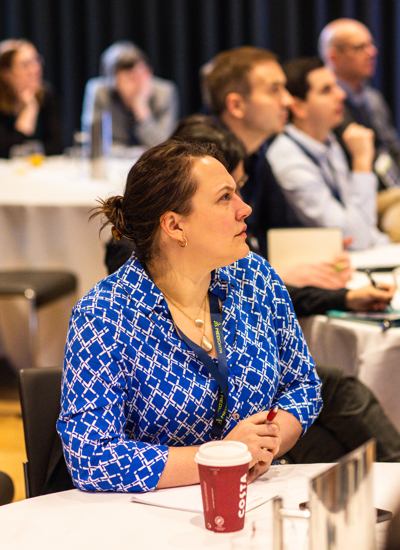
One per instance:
[(347, 47)]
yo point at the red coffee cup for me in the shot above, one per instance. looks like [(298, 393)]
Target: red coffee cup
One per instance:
[(223, 468)]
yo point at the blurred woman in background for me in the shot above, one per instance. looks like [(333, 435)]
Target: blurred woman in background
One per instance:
[(28, 109)]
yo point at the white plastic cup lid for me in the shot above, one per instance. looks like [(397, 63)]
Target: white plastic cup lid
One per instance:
[(223, 453)]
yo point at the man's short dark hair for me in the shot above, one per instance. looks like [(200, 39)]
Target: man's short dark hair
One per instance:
[(297, 71), (228, 72)]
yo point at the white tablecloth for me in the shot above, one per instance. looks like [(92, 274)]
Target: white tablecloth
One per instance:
[(358, 348), (44, 223), (105, 521)]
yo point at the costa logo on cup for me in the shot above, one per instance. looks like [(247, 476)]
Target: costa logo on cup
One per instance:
[(242, 495)]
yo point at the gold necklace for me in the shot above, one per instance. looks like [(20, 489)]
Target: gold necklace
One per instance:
[(199, 323)]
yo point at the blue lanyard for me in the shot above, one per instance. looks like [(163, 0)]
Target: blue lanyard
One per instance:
[(332, 185), (220, 373)]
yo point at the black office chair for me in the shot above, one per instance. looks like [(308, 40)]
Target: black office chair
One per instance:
[(40, 394), (6, 489), (39, 288)]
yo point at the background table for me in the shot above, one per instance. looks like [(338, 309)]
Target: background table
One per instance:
[(105, 521), (358, 348), (44, 223)]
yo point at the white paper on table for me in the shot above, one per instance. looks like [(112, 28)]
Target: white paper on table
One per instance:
[(188, 498), (290, 480)]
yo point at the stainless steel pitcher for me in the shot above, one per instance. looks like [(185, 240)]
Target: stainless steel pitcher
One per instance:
[(341, 511)]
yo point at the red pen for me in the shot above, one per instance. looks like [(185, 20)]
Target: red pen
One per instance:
[(271, 415)]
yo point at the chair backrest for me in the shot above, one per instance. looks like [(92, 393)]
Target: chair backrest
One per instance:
[(6, 489), (40, 394)]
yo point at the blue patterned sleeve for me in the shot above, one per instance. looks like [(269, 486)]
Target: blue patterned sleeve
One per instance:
[(98, 453), (299, 389)]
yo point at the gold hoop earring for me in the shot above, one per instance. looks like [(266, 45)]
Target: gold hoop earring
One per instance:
[(183, 243), (116, 233)]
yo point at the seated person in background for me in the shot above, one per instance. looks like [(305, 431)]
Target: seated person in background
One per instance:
[(28, 109), (137, 394), (143, 107), (209, 129), (245, 90), (351, 414), (347, 47), (311, 166)]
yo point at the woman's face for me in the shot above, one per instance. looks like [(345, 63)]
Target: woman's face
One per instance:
[(25, 72), (215, 228)]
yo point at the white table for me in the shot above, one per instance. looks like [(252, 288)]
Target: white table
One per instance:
[(44, 216), (360, 349), (105, 521), (44, 223)]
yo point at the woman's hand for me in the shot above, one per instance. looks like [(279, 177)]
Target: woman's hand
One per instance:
[(27, 96), (27, 118), (263, 441)]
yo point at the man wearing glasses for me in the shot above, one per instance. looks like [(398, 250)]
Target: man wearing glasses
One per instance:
[(347, 47)]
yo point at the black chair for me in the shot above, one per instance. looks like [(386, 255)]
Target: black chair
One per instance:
[(39, 288), (6, 489), (40, 394)]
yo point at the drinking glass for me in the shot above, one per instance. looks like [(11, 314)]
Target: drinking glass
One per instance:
[(25, 155)]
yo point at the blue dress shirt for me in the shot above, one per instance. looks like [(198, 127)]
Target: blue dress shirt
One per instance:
[(132, 388), (305, 184)]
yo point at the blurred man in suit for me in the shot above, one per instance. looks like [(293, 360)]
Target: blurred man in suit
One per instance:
[(245, 89), (348, 48)]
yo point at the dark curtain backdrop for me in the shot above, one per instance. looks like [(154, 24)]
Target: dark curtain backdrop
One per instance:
[(180, 35)]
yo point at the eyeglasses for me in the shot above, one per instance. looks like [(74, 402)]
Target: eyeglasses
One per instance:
[(37, 60), (357, 48)]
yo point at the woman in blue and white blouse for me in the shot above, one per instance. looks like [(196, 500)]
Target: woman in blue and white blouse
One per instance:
[(193, 338)]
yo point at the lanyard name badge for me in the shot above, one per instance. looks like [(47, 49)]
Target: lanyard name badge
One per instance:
[(220, 373), (332, 184)]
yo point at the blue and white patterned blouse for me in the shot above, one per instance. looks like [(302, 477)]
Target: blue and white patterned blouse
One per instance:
[(131, 387)]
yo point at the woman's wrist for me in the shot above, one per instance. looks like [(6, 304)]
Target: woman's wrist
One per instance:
[(27, 118)]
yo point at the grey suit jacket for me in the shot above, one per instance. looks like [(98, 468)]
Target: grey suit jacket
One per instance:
[(164, 104)]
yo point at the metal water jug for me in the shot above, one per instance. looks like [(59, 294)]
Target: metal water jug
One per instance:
[(340, 509)]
